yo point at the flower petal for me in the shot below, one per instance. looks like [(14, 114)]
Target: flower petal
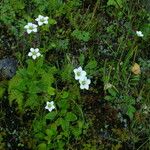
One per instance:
[(34, 56), (81, 86), (29, 31), (86, 86), (38, 54), (26, 26), (88, 81), (32, 50), (40, 17), (40, 23), (34, 30), (46, 18), (80, 68), (46, 22), (30, 54), (30, 24), (83, 73), (36, 50)]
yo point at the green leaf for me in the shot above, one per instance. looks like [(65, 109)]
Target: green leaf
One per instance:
[(71, 116), (51, 115), (52, 131), (31, 67), (42, 146), (81, 35), (116, 3), (64, 124), (18, 97), (81, 59), (130, 112), (52, 21), (40, 135), (65, 94), (109, 98), (2, 90), (146, 30), (76, 132), (112, 92), (91, 65), (67, 72), (32, 101), (63, 104), (51, 91)]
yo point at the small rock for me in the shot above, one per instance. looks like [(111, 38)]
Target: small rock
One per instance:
[(8, 68)]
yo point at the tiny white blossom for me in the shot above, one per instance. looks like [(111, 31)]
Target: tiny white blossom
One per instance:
[(50, 106), (34, 53), (139, 34), (146, 109), (31, 27), (79, 73), (42, 20), (84, 83)]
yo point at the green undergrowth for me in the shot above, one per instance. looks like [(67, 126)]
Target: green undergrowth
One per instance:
[(100, 36)]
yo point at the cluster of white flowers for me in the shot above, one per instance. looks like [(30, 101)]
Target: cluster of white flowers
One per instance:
[(50, 106), (81, 76), (34, 52), (30, 27), (139, 34)]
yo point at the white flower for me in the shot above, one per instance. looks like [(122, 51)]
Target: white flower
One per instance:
[(79, 73), (42, 20), (84, 83), (146, 109), (31, 27), (50, 106), (139, 34), (34, 53)]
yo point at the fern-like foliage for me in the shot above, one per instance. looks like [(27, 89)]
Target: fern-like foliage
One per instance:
[(32, 86)]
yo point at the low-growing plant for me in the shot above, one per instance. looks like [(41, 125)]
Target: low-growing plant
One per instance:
[(75, 46)]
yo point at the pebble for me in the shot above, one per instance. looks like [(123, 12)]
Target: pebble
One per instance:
[(8, 67)]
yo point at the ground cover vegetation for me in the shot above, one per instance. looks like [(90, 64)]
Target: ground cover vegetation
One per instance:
[(74, 74)]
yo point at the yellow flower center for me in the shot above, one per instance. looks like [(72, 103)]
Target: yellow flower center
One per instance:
[(78, 73)]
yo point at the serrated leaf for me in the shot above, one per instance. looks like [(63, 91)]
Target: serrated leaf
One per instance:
[(131, 111), (32, 101), (76, 131), (81, 35), (18, 97)]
